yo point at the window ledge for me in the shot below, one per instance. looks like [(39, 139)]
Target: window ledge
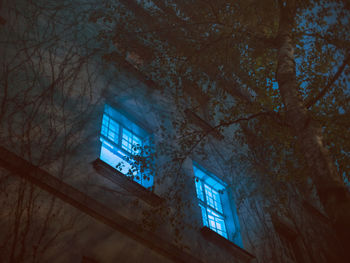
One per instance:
[(126, 183), (227, 244)]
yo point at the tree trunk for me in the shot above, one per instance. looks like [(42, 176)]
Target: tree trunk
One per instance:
[(330, 187)]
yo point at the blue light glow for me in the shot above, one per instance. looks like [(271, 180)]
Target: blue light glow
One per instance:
[(210, 201), (120, 143)]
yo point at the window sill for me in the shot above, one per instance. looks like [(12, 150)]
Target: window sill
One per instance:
[(126, 183), (215, 238)]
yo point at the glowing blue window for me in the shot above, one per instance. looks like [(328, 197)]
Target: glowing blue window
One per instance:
[(218, 212), (122, 140), (208, 191)]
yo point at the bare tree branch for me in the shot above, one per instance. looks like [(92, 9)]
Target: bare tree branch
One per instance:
[(323, 92)]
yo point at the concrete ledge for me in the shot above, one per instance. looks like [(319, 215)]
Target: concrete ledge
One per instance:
[(126, 183), (22, 168), (226, 244)]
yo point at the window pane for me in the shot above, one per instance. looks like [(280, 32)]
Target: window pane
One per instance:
[(204, 215), (129, 141), (216, 222), (213, 198), (199, 189), (114, 158), (110, 129)]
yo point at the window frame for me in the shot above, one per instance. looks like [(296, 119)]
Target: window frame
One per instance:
[(204, 205), (228, 206), (116, 147)]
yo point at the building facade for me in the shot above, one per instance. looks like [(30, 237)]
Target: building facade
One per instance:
[(100, 165)]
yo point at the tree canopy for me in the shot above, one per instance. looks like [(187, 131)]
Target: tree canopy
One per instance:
[(277, 69), (225, 55), (271, 76)]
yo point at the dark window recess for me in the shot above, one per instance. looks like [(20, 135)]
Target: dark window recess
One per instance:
[(289, 241), (232, 248), (126, 183), (203, 124)]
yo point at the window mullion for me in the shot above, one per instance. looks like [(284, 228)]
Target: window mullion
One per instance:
[(205, 201), (109, 120), (120, 136), (220, 200), (203, 192), (109, 141), (216, 211)]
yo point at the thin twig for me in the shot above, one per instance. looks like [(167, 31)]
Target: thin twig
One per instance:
[(311, 102)]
